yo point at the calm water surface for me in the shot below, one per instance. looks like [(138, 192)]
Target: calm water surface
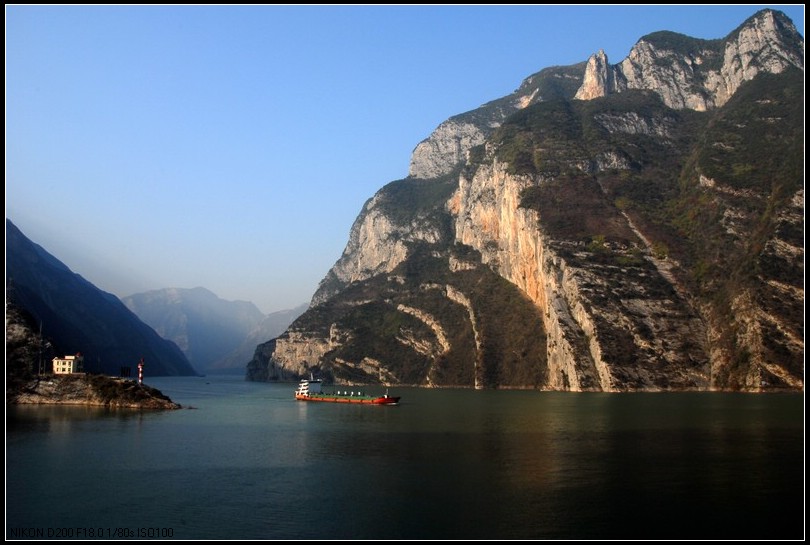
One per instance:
[(250, 462)]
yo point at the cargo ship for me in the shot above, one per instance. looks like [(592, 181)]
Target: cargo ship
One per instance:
[(310, 390)]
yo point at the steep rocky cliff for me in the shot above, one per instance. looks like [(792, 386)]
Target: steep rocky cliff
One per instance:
[(699, 74), (447, 146), (609, 228)]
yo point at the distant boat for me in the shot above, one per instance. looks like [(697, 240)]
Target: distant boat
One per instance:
[(310, 390)]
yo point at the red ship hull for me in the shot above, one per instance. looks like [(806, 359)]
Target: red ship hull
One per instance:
[(310, 390), (365, 400)]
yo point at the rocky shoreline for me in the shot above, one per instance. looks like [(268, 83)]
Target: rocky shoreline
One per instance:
[(90, 390)]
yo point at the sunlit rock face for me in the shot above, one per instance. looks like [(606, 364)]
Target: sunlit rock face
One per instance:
[(445, 148), (589, 335), (600, 229), (698, 74)]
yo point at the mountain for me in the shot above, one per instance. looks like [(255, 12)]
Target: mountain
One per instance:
[(75, 316), (272, 326), (636, 226), (26, 349), (210, 331)]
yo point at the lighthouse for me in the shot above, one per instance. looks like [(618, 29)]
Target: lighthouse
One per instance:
[(140, 371)]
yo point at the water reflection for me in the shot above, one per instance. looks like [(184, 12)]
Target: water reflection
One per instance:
[(63, 420), (250, 462)]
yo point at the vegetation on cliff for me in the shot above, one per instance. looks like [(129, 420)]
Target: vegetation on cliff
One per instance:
[(709, 190)]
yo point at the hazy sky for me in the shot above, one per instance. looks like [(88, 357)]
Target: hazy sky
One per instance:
[(232, 147)]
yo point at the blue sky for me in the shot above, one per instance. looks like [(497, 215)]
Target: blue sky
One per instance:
[(232, 147)]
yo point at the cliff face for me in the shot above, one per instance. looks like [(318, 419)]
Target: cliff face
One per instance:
[(610, 325), (377, 244), (447, 146), (646, 235), (698, 74)]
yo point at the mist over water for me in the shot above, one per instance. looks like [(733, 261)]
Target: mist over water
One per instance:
[(250, 462)]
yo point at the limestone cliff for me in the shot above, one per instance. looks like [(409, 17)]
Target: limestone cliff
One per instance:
[(647, 236), (448, 145), (698, 74), (611, 326), (377, 244)]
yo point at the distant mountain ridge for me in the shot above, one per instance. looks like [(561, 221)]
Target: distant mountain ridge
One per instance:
[(272, 326), (636, 226), (75, 316), (216, 335)]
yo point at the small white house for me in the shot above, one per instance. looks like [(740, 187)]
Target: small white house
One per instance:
[(68, 365)]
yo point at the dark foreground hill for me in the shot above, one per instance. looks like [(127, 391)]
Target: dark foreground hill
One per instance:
[(77, 317)]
